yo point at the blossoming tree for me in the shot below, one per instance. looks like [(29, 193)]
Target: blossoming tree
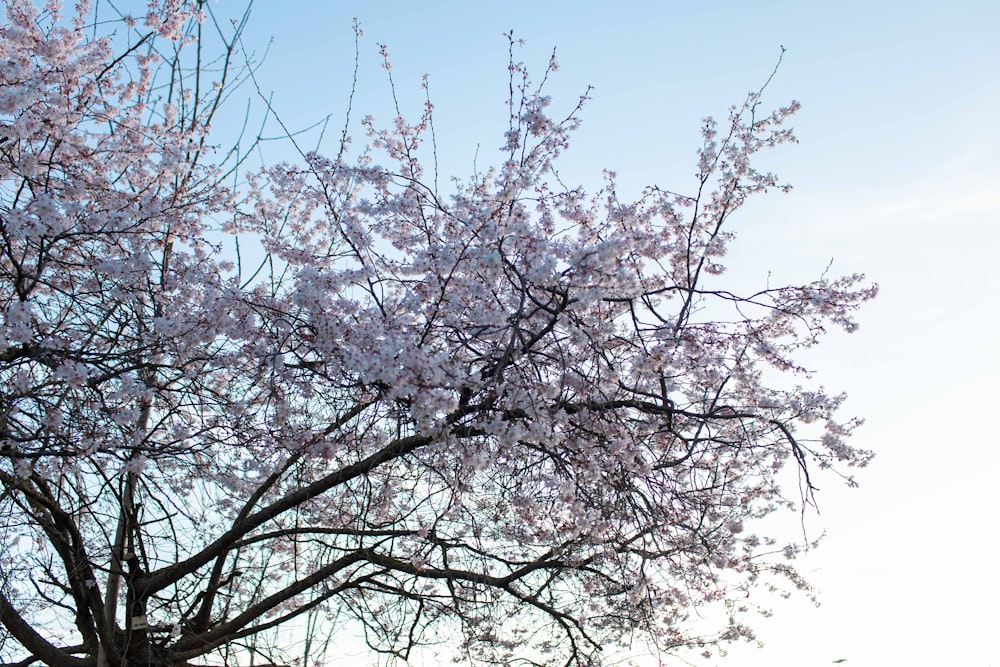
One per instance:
[(515, 417)]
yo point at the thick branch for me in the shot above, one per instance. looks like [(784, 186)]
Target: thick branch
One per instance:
[(166, 576), (34, 642)]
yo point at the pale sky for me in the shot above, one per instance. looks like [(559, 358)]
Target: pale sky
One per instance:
[(897, 176)]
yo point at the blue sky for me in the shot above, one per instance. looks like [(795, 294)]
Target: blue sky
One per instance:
[(897, 175)]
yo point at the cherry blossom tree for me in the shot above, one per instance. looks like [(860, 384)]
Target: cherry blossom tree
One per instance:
[(512, 417)]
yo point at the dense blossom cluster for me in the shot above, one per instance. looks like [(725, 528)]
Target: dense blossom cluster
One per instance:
[(513, 415)]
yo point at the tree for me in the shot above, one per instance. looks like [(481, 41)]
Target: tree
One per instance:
[(513, 414)]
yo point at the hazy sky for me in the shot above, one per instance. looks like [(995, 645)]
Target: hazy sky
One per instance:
[(897, 175)]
